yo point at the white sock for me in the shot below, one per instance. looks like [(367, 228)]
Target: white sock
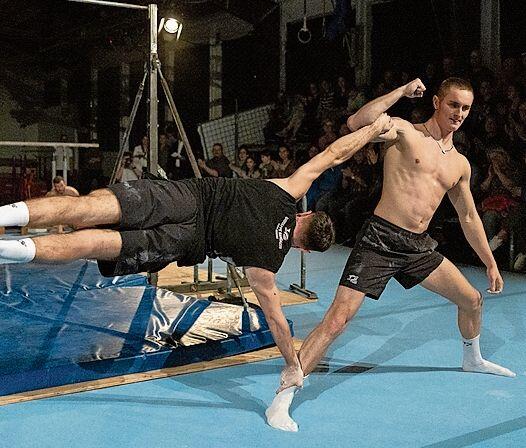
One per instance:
[(16, 214), (17, 251), (278, 412), (474, 362)]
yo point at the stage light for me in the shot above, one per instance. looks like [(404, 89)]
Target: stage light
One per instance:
[(172, 26)]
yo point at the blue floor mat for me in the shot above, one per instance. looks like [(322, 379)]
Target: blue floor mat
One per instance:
[(67, 324)]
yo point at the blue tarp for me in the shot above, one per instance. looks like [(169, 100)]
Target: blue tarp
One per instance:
[(64, 324)]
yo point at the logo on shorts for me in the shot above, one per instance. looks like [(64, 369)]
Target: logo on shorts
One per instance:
[(282, 232), (352, 279)]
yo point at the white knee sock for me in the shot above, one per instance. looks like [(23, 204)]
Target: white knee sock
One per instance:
[(16, 214), (278, 412), (474, 362), (17, 251)]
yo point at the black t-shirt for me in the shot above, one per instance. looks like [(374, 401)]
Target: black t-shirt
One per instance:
[(245, 221)]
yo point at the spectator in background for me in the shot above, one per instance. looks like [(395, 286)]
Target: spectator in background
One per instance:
[(507, 75), (387, 84), (449, 68), (328, 136), (140, 154), (477, 72), (326, 105), (218, 165), (285, 166), (431, 79), (295, 120), (341, 96), (127, 170), (178, 165), (252, 168), (61, 189), (266, 167), (356, 100), (500, 181), (351, 199), (517, 217), (239, 166)]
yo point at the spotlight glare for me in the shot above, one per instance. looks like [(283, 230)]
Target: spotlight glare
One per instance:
[(172, 26)]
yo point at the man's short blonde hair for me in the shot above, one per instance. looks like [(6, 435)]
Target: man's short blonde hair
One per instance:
[(449, 83)]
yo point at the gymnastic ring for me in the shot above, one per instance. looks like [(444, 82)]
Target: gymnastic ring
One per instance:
[(304, 36)]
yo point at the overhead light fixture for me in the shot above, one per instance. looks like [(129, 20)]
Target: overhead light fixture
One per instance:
[(171, 26)]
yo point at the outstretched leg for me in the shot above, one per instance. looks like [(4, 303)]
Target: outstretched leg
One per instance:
[(345, 306), (98, 208), (449, 282), (89, 243), (96, 244)]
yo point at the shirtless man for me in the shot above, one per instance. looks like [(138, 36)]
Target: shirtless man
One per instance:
[(61, 189), (421, 165), (154, 223)]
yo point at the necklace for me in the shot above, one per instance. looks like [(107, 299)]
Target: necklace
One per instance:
[(442, 150)]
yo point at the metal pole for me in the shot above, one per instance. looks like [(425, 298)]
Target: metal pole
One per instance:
[(127, 132), (105, 3), (300, 289), (154, 121), (303, 266), (179, 123)]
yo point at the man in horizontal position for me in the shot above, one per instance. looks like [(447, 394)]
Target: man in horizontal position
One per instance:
[(150, 223)]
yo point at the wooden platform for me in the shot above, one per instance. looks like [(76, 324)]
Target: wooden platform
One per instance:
[(174, 275), (258, 355)]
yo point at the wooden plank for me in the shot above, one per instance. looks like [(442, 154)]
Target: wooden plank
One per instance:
[(244, 358)]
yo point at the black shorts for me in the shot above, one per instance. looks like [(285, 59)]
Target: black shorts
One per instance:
[(384, 250), (158, 226)]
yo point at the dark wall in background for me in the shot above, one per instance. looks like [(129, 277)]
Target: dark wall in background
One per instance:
[(409, 33), (251, 67), (513, 27)]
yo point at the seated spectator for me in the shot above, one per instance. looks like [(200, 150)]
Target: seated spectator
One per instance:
[(477, 73), (178, 165), (498, 186), (517, 217), (252, 168), (266, 167), (351, 199), (328, 136), (140, 154), (387, 84), (127, 170), (295, 120), (218, 165), (326, 104), (286, 165), (61, 189), (356, 100), (341, 96), (239, 167)]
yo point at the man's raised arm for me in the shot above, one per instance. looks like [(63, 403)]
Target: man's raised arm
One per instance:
[(368, 113), (336, 153)]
